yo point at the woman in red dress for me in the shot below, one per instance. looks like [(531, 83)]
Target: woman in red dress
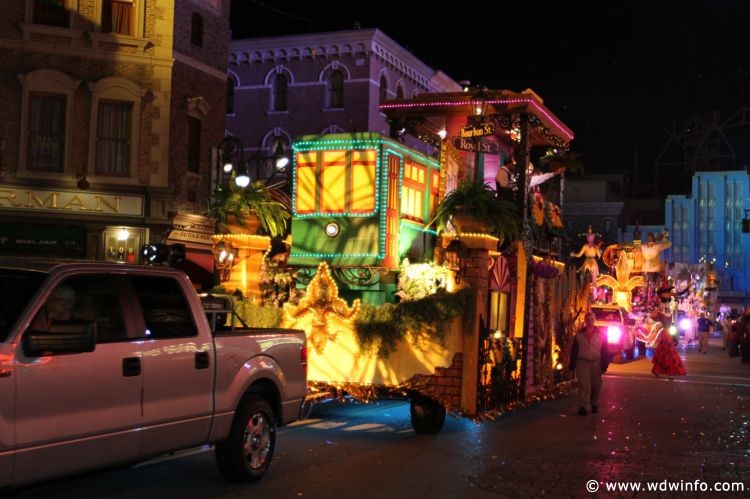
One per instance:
[(666, 360)]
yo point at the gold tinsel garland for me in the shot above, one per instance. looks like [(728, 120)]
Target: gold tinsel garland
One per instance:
[(368, 393)]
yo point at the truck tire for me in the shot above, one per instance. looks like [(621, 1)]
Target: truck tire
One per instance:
[(427, 415), (247, 452)]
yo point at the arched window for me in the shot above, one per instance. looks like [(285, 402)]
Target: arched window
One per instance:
[(336, 88), (399, 92), (47, 121), (114, 129), (280, 85), (383, 88), (230, 95)]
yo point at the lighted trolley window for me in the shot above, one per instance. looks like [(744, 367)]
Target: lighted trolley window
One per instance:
[(413, 191), (336, 182)]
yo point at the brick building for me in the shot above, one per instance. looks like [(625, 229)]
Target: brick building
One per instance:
[(284, 86), (111, 109)]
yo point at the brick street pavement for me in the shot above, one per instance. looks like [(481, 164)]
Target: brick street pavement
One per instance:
[(649, 430)]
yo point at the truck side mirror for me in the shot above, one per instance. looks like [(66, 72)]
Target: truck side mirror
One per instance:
[(70, 336)]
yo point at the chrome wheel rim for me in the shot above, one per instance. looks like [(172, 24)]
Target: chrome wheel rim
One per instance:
[(257, 440)]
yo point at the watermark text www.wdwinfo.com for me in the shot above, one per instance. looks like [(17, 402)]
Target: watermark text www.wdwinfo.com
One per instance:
[(666, 486)]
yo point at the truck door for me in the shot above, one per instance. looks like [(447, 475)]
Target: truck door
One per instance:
[(177, 364), (78, 411)]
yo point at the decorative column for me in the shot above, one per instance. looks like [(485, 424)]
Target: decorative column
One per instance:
[(522, 160), (245, 273), (474, 272)]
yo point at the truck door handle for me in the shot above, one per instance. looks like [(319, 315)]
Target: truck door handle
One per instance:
[(131, 366), (201, 360)]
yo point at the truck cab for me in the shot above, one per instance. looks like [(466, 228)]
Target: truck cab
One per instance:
[(104, 364)]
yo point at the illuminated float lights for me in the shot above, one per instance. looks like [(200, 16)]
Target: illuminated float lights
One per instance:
[(357, 144), (336, 255), (470, 235), (378, 173), (534, 104)]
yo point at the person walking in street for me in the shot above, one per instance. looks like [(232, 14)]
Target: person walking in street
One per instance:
[(705, 328), (666, 360), (735, 331), (743, 336), (590, 359)]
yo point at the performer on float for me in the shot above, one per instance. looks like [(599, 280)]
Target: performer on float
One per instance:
[(591, 250), (652, 264)]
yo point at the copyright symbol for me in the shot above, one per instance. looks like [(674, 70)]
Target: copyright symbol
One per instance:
[(592, 485)]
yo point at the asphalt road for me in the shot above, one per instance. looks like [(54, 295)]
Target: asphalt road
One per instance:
[(688, 433)]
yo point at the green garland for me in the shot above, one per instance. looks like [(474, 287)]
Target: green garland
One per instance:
[(264, 316), (384, 326)]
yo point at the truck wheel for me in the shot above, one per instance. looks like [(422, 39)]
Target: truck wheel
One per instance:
[(427, 415), (247, 452)]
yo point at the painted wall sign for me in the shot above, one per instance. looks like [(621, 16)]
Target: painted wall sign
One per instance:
[(483, 146), (42, 240), (88, 203), (193, 229)]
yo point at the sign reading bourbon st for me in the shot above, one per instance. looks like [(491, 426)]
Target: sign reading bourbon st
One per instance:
[(480, 130)]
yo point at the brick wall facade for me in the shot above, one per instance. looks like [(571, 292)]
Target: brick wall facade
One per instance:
[(164, 67), (363, 55)]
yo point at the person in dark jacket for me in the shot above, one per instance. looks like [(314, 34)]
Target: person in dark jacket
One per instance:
[(590, 359)]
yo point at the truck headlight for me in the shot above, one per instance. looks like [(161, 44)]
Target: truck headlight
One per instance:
[(614, 334)]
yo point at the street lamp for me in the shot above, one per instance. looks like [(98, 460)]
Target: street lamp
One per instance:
[(228, 148), (265, 167), (479, 102)]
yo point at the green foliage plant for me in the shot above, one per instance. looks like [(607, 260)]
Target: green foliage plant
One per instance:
[(237, 202), (382, 327), (481, 201), (254, 315)]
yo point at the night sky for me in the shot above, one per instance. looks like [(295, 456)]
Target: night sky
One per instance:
[(616, 73)]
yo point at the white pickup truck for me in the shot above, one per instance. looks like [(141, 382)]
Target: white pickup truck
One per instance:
[(106, 364)]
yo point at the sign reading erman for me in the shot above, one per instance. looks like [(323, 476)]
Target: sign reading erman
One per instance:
[(72, 202)]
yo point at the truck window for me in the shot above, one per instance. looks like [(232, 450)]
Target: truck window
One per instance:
[(17, 288), (87, 298), (166, 312), (607, 315)]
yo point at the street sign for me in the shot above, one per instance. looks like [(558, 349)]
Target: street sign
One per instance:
[(472, 145), (480, 130)]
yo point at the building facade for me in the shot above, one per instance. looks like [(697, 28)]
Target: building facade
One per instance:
[(287, 86), (707, 227), (110, 113)]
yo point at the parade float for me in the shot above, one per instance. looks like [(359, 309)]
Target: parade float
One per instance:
[(469, 321)]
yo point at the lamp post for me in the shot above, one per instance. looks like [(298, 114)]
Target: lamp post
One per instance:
[(267, 168), (228, 148), (479, 102)]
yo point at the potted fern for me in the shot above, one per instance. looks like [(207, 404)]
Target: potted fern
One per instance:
[(246, 209), (474, 207)]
